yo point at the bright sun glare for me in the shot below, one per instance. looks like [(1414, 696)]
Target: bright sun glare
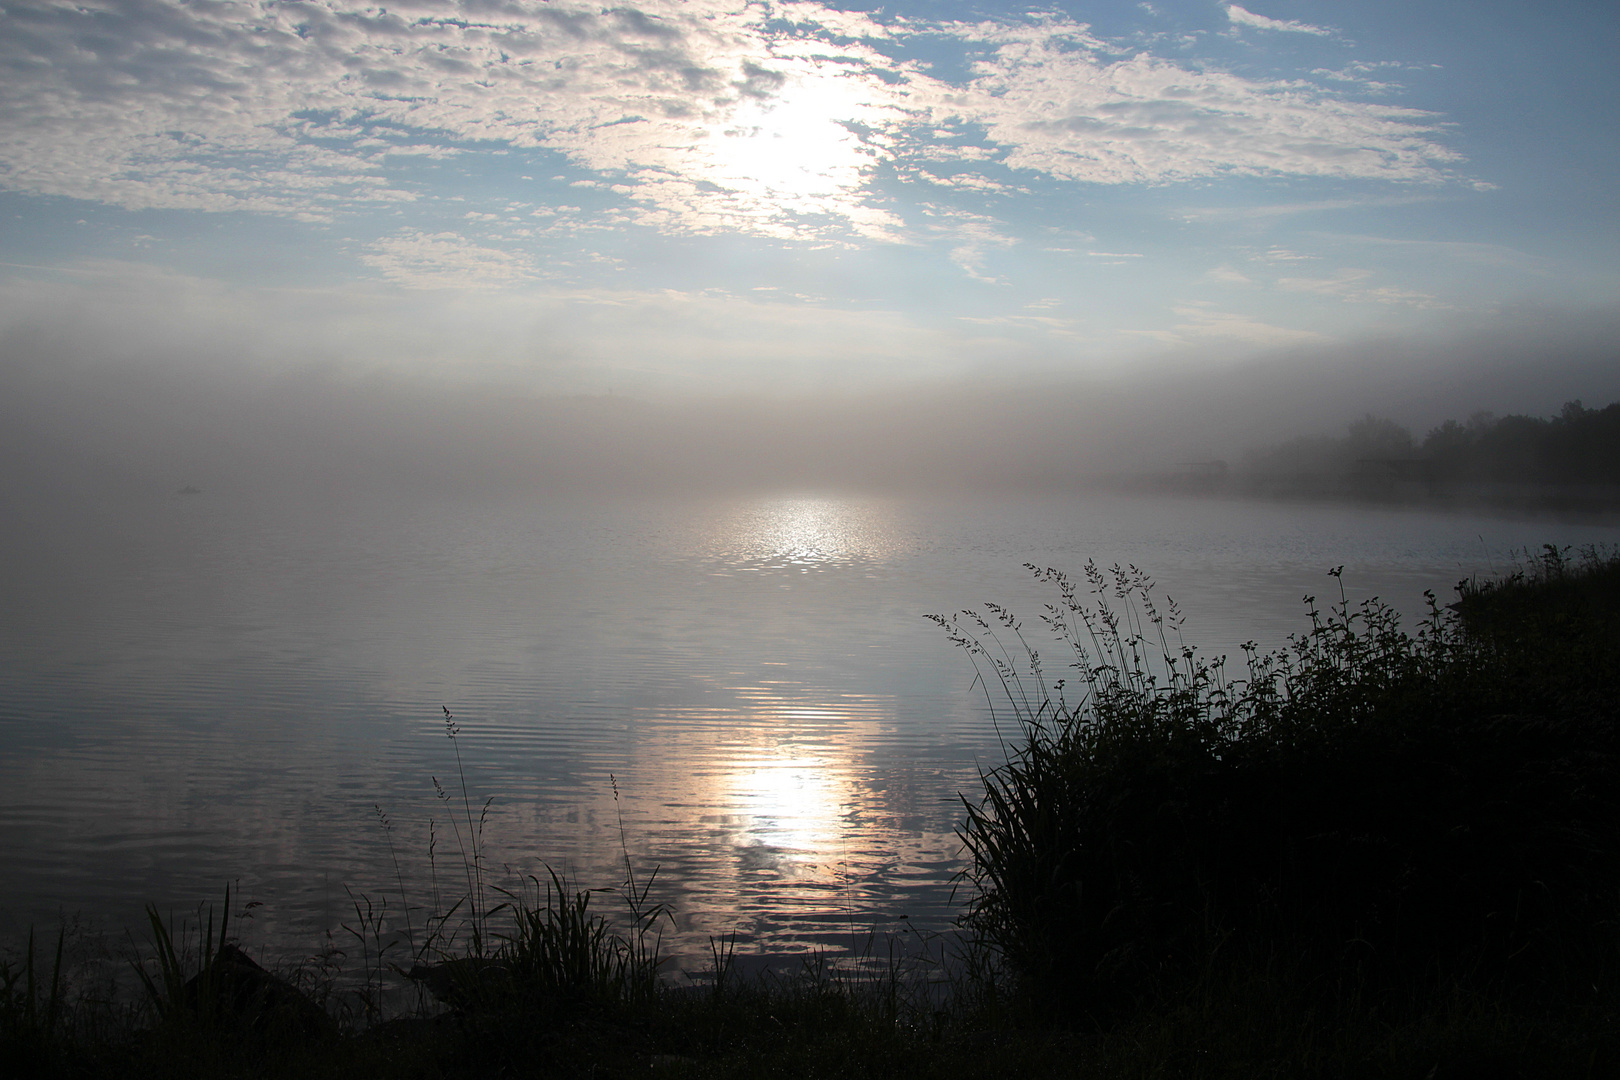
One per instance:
[(805, 535), (793, 151), (792, 802)]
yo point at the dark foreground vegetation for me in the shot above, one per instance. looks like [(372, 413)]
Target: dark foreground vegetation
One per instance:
[(1374, 853)]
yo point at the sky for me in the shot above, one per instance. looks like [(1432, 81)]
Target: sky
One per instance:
[(335, 217)]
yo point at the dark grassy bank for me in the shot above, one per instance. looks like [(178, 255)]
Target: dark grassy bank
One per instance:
[(1373, 853), (1368, 830)]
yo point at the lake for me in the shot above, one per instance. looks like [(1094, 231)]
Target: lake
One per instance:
[(742, 693)]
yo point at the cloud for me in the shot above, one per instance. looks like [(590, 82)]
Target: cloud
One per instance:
[(1226, 275), (692, 116), (305, 108), (1463, 251), (1360, 73), (1242, 17), (1351, 285), (1281, 210), (1282, 254), (1202, 322), (421, 260), (1059, 105), (528, 333), (974, 239), (1042, 324)]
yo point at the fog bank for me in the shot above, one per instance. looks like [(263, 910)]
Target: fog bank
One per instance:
[(110, 419)]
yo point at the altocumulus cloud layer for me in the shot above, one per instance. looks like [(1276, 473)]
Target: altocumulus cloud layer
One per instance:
[(680, 109)]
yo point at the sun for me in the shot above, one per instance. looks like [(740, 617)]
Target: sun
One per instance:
[(798, 150)]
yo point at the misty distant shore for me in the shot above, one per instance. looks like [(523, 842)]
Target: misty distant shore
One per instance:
[(80, 433), (1373, 486), (1566, 463)]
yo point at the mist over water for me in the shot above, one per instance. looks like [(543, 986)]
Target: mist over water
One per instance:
[(94, 414), (689, 629), (205, 688)]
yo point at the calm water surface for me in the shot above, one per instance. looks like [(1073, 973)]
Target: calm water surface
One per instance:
[(202, 690)]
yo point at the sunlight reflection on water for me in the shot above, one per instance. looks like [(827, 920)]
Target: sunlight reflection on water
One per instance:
[(805, 535)]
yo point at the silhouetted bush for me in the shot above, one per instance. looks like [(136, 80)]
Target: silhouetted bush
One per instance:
[(1393, 805)]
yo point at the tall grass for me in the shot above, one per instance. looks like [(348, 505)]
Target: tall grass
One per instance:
[(503, 946), (1394, 804), (172, 991), (32, 1003)]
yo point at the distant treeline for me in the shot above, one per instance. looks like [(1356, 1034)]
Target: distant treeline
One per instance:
[(1579, 447)]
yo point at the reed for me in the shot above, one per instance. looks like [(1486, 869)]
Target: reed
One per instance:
[(558, 948), (32, 1004), (166, 988), (496, 947)]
